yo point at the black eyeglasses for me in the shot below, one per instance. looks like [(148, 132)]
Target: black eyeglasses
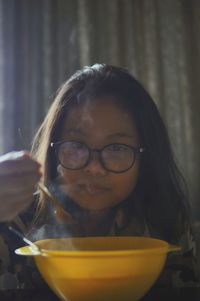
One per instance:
[(114, 157)]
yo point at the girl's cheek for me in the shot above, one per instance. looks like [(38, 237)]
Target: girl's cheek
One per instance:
[(67, 176)]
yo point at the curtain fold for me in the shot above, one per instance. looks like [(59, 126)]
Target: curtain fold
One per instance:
[(42, 42)]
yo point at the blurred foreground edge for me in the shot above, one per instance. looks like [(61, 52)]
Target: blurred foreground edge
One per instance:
[(155, 294)]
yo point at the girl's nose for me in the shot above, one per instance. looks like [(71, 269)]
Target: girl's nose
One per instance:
[(94, 166)]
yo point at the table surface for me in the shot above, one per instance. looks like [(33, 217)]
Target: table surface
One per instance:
[(158, 294)]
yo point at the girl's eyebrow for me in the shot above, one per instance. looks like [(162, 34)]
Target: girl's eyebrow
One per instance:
[(121, 135), (74, 131), (115, 135)]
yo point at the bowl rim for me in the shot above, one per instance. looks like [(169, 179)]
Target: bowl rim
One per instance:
[(163, 248)]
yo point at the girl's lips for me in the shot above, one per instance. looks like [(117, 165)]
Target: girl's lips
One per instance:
[(93, 189)]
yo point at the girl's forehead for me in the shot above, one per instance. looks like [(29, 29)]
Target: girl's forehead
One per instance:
[(97, 111), (99, 117)]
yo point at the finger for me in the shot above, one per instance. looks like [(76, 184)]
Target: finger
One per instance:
[(18, 166), (23, 201), (14, 155), (18, 184), (18, 196), (13, 206), (17, 163)]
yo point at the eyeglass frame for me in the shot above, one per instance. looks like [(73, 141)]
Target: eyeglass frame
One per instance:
[(136, 151)]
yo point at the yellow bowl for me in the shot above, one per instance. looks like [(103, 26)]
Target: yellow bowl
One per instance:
[(100, 268)]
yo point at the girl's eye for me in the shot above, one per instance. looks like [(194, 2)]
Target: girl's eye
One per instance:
[(76, 145), (72, 146), (117, 148)]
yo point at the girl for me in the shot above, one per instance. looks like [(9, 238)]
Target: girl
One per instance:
[(105, 154), (104, 144)]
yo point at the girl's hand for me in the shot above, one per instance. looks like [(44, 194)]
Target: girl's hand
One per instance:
[(19, 174)]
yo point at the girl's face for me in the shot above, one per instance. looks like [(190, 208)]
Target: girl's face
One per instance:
[(98, 124)]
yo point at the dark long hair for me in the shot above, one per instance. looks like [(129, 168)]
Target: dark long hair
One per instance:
[(160, 185)]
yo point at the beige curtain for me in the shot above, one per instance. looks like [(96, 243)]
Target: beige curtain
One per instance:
[(42, 42)]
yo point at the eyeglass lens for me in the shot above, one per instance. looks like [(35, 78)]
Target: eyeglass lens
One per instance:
[(114, 157)]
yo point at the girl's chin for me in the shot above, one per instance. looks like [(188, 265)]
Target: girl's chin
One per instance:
[(92, 207), (92, 203)]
